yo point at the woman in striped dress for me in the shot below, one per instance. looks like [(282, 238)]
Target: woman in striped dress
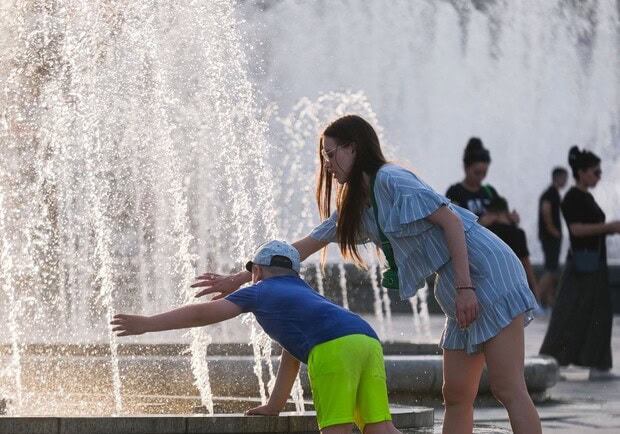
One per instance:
[(481, 285)]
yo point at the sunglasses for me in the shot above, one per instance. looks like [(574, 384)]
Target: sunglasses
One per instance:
[(327, 155)]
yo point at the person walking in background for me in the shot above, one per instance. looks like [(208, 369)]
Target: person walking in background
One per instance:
[(470, 193), (481, 285), (512, 235), (550, 236), (343, 353), (579, 331)]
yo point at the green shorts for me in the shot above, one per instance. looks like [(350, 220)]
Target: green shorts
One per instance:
[(347, 377)]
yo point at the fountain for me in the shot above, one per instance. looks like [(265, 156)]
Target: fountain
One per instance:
[(106, 216), (122, 170), (530, 78), (142, 143)]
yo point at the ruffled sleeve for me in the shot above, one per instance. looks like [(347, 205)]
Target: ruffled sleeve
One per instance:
[(326, 231), (404, 202)]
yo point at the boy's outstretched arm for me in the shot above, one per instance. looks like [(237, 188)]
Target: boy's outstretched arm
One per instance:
[(287, 372), (192, 315)]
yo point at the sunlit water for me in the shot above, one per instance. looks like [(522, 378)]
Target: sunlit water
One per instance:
[(530, 77), (128, 136), (143, 143)]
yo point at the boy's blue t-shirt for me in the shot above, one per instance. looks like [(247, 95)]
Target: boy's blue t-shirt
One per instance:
[(296, 316)]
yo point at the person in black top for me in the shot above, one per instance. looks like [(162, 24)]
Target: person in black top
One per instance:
[(470, 193), (550, 235), (579, 330), (512, 235)]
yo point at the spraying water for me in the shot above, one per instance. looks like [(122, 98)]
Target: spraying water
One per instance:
[(530, 77), (134, 146), (123, 163)]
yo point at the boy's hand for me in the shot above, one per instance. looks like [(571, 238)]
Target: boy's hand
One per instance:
[(212, 283), (127, 325), (262, 410)]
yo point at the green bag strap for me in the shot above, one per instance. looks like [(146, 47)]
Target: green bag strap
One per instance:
[(385, 243), (487, 189)]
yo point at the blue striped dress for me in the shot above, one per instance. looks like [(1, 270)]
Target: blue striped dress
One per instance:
[(420, 250)]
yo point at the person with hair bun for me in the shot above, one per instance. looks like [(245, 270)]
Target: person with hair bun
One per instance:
[(470, 193), (579, 331)]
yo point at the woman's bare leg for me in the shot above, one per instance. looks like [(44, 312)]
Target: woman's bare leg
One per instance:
[(461, 378), (505, 355)]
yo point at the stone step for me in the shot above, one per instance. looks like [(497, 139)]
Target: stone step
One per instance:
[(404, 417), (174, 424)]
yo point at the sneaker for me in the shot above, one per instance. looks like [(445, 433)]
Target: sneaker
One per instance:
[(601, 375)]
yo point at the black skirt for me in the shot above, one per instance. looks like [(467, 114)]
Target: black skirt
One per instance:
[(579, 330)]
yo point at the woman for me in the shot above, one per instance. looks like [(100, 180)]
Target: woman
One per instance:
[(470, 193), (579, 331), (481, 285)]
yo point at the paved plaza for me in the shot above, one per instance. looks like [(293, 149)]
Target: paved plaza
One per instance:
[(574, 405)]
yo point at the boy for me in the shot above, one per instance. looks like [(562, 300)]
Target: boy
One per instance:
[(343, 353)]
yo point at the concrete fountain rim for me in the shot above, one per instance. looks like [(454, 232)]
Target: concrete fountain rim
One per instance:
[(403, 417)]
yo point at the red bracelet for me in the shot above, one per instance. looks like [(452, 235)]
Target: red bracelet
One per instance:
[(458, 288)]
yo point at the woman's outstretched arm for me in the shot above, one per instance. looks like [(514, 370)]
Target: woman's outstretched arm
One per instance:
[(590, 229), (221, 284), (307, 246)]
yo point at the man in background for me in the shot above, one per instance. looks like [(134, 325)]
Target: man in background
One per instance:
[(550, 236)]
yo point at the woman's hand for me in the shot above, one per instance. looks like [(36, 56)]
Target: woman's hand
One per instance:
[(221, 284), (467, 308), (127, 325), (262, 410), (466, 303)]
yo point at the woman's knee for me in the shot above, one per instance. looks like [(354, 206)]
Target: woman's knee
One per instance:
[(505, 390), (459, 392), (461, 373)]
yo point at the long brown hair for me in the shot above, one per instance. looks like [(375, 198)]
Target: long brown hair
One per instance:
[(350, 130)]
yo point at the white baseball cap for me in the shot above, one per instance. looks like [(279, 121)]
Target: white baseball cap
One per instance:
[(276, 253)]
